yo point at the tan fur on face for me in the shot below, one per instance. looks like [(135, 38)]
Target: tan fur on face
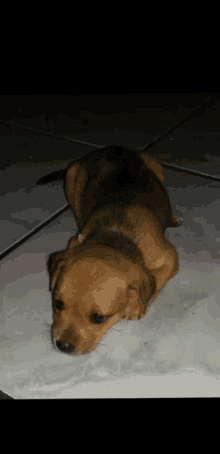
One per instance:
[(120, 259), (90, 286)]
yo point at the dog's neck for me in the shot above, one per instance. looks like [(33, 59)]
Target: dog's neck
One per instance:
[(117, 231), (119, 239)]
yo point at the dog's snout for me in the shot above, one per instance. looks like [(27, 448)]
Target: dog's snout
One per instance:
[(65, 346)]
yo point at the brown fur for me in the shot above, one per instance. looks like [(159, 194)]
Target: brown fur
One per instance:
[(120, 259)]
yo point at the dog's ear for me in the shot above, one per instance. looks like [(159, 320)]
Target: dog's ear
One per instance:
[(54, 275), (54, 265), (138, 297)]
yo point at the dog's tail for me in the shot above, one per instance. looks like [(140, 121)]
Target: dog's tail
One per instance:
[(53, 176)]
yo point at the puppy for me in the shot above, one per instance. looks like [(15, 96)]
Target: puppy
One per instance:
[(120, 259)]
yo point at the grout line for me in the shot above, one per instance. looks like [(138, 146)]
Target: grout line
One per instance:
[(193, 172), (161, 137), (178, 123), (59, 136), (32, 232)]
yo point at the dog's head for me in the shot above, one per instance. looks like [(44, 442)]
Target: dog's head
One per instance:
[(91, 292)]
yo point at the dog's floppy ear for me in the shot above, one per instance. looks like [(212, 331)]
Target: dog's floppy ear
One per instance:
[(138, 297), (54, 275), (54, 266)]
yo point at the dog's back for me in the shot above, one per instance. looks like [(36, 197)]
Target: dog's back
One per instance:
[(118, 175)]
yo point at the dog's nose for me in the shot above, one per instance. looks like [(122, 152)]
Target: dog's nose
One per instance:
[(65, 346)]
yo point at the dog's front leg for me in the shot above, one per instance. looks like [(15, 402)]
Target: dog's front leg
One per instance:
[(163, 274)]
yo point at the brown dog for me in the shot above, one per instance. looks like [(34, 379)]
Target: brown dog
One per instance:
[(120, 259)]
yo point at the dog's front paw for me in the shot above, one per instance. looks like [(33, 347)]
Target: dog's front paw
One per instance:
[(132, 314)]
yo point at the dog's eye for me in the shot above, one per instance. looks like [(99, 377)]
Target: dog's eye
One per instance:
[(58, 304), (97, 318)]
